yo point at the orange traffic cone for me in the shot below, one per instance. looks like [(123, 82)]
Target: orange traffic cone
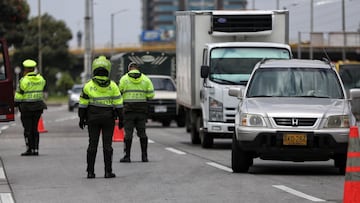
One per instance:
[(118, 135), (41, 128), (352, 177)]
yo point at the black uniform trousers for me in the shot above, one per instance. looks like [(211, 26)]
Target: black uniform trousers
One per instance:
[(135, 120), (106, 127), (30, 120)]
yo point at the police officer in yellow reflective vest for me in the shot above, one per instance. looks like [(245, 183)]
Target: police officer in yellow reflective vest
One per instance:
[(29, 99), (136, 88), (100, 104)]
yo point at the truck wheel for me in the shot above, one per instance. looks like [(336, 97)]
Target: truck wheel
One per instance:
[(340, 163), (240, 160), (187, 122), (195, 139), (180, 122), (166, 123), (180, 119), (206, 139)]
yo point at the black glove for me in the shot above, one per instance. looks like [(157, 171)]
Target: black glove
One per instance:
[(82, 116), (82, 123), (121, 123)]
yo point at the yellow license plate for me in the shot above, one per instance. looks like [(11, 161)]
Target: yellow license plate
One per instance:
[(299, 139)]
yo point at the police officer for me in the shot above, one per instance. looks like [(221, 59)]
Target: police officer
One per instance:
[(29, 99), (100, 103), (136, 88)]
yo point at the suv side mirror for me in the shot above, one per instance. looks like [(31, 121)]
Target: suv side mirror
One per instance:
[(354, 93), (205, 71)]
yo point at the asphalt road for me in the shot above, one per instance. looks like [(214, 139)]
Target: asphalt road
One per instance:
[(177, 171)]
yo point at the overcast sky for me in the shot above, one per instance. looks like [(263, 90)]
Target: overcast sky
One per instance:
[(127, 29)]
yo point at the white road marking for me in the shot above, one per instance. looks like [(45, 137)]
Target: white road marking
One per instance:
[(66, 118), (6, 198), (175, 151), (298, 193), (4, 127), (2, 174), (150, 141), (220, 166)]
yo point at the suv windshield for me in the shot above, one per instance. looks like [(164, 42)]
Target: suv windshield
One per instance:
[(77, 89), (233, 65), (295, 82), (164, 84)]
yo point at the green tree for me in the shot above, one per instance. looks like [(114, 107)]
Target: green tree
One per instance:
[(64, 83), (54, 40), (13, 14)]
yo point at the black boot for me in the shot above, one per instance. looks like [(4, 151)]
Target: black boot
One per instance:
[(90, 158), (143, 144), (108, 164), (36, 150), (127, 149), (28, 152)]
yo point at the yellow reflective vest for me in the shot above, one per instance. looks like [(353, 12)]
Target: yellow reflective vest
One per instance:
[(31, 88), (95, 95), (136, 88)]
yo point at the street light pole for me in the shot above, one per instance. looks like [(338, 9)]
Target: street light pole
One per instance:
[(112, 15)]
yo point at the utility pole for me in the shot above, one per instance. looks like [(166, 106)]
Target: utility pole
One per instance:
[(89, 40), (311, 54), (344, 30), (39, 39)]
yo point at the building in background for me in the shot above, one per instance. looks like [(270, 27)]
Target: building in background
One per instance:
[(158, 16)]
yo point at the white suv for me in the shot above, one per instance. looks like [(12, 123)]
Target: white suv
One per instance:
[(292, 110)]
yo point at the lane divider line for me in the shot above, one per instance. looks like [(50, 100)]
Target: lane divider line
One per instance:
[(298, 193), (6, 198), (175, 151), (66, 118), (150, 141), (219, 166), (2, 173)]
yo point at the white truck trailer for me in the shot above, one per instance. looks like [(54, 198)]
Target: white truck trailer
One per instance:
[(216, 51)]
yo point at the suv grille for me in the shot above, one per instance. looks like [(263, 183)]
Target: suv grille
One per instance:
[(295, 121), (170, 104)]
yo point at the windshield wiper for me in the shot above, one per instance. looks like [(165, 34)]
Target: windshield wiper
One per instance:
[(261, 96), (225, 81), (313, 96)]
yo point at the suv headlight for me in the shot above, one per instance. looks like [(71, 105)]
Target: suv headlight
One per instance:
[(339, 121), (252, 120), (215, 110)]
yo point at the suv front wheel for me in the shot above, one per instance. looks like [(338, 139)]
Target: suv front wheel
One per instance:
[(240, 160)]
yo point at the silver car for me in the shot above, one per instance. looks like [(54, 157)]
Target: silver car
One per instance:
[(74, 96), (291, 110)]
